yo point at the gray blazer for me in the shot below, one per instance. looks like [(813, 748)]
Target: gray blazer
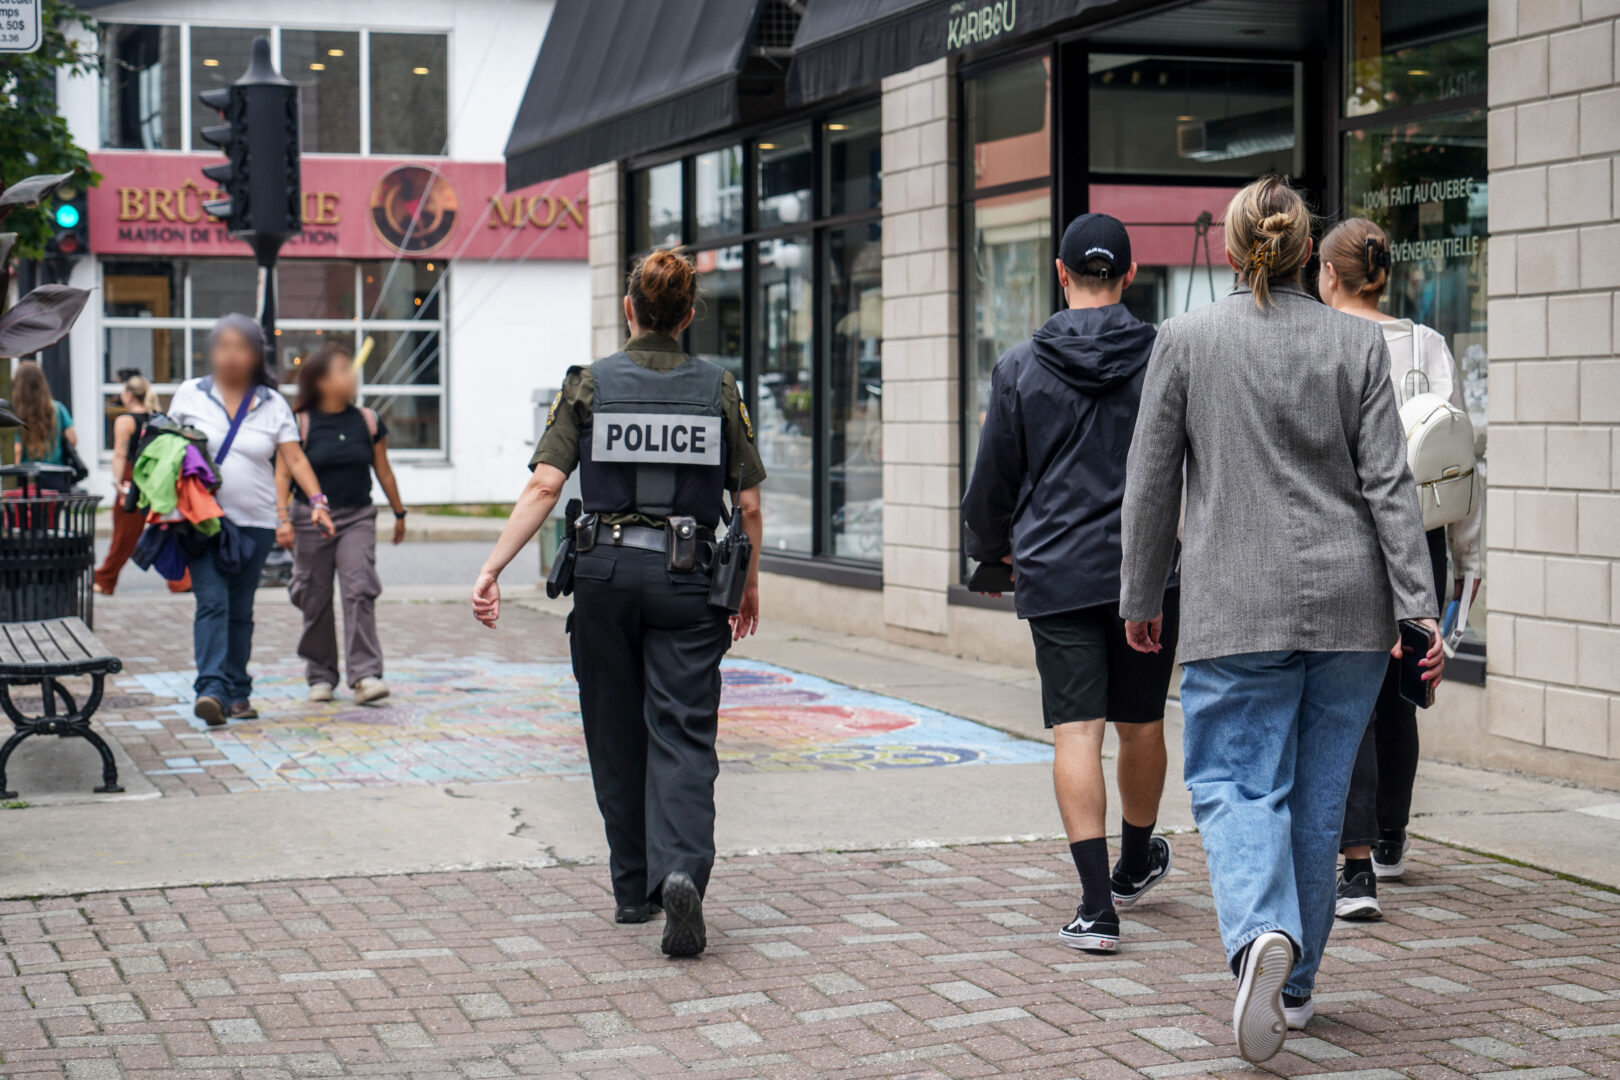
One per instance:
[(1303, 530)]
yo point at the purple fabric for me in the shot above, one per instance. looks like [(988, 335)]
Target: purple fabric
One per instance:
[(194, 464)]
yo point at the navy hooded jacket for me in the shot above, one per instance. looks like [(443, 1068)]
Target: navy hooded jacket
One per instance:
[(1049, 480)]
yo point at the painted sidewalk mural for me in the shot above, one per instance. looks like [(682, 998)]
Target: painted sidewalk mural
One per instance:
[(479, 720)]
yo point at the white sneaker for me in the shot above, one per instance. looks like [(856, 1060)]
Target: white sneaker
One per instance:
[(1257, 1016), (320, 691), (367, 690), (1298, 1015)]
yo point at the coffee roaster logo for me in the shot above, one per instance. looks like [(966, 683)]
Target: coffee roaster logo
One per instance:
[(413, 208)]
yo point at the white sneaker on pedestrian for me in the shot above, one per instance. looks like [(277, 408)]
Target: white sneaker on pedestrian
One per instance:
[(1298, 1011), (1257, 1016), (368, 690), (320, 691)]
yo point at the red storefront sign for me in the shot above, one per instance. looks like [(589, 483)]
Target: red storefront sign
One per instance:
[(354, 208)]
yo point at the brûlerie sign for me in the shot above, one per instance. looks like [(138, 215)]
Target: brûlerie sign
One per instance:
[(354, 208)]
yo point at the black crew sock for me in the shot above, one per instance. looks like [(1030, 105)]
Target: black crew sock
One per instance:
[(1352, 867), (1133, 848), (1091, 859)]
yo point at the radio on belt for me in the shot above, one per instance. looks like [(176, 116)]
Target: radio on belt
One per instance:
[(656, 438)]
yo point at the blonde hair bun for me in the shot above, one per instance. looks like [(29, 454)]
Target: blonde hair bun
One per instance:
[(1268, 235)]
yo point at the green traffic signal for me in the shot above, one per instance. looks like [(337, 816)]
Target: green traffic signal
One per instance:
[(67, 216)]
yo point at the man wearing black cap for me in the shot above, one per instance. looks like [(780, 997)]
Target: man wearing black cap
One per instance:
[(1045, 497)]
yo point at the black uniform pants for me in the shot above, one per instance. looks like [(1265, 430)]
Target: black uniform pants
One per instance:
[(647, 649), (1386, 763)]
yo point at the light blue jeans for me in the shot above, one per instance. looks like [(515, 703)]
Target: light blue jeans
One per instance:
[(1270, 739)]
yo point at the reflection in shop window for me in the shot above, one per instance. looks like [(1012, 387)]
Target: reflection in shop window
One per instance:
[(325, 66), (415, 421), (409, 94), (854, 434), (718, 178), (786, 172), (1182, 116), (1010, 277), (784, 413), (716, 334), (657, 218), (219, 56), (1403, 53), (854, 162), (140, 87)]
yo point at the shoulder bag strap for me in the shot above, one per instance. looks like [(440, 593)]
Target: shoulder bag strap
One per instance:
[(236, 425), (371, 421)]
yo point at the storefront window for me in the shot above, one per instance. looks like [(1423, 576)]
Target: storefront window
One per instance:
[(854, 432), (854, 162), (784, 420), (1009, 124), (156, 316), (786, 171), (409, 94), (657, 217), (1173, 115), (1401, 53), (717, 329), (219, 56), (140, 87), (718, 178), (325, 65)]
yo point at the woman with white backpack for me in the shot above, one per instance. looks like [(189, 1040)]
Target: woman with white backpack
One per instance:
[(1440, 451)]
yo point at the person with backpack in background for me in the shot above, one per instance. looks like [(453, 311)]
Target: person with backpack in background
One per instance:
[(1354, 278), (140, 402), (1045, 496), (48, 437), (345, 443)]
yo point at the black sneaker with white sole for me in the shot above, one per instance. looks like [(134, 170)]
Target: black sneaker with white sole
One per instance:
[(1258, 1018), (1358, 898), (1092, 933), (684, 933), (1128, 890), (1389, 856), (1297, 1010)]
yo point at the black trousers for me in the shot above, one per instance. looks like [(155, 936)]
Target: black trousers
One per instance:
[(647, 649), (1386, 763)]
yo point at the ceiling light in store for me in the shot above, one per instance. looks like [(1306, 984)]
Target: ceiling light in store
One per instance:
[(210, 62), (317, 67), (1108, 77), (1164, 78), (430, 267), (278, 333), (419, 71), (1185, 119), (334, 52), (1136, 78), (417, 301), (837, 127), (1419, 72), (767, 146)]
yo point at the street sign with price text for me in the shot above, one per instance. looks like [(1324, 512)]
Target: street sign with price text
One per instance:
[(22, 28)]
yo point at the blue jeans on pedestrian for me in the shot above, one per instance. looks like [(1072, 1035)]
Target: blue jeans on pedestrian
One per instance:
[(1270, 739), (222, 631)]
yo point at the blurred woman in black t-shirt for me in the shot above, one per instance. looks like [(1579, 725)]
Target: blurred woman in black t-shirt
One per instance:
[(345, 443)]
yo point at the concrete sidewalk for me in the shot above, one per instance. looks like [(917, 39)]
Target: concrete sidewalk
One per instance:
[(69, 841)]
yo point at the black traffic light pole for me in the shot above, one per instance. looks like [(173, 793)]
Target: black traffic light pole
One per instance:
[(260, 176)]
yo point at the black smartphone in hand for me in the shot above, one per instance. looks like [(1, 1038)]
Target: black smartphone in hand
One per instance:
[(991, 577), (1415, 642)]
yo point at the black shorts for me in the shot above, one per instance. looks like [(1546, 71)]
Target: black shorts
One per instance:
[(1088, 670)]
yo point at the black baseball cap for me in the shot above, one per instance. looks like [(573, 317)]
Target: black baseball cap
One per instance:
[(1094, 236)]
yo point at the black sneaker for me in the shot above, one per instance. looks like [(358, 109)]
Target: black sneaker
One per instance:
[(1297, 1010), (1389, 856), (1092, 933), (1358, 898), (684, 934), (1128, 890)]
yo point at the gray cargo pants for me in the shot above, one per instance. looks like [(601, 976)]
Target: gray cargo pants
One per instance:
[(351, 553)]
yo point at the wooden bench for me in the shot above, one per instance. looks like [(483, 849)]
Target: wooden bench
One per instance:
[(43, 652)]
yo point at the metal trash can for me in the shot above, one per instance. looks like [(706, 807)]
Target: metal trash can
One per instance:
[(47, 551)]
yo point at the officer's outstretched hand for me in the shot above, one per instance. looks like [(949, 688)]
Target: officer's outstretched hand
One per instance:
[(746, 621), (486, 599)]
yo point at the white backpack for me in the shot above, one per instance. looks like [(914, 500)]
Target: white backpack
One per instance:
[(1439, 445)]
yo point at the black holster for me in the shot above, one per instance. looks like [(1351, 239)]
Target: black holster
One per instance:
[(560, 582), (732, 554)]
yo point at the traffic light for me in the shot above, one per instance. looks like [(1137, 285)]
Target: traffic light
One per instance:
[(70, 222), (260, 174)]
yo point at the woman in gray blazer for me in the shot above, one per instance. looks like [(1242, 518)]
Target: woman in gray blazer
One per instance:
[(1303, 547)]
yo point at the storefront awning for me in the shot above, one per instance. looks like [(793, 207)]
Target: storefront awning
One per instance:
[(617, 78), (845, 44)]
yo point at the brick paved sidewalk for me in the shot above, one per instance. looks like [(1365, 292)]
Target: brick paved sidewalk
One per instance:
[(936, 964)]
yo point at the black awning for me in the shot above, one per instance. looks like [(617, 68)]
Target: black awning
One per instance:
[(845, 44), (617, 78)]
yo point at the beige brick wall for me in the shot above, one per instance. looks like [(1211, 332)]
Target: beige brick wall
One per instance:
[(920, 398), (1554, 480), (606, 191)]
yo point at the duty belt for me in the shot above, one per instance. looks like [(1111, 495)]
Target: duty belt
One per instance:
[(644, 537)]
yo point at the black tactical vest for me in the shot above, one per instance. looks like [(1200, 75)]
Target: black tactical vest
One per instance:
[(656, 441)]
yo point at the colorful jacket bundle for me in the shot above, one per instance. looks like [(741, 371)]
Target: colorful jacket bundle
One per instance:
[(177, 486)]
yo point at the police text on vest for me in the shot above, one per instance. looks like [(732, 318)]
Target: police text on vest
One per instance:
[(657, 438)]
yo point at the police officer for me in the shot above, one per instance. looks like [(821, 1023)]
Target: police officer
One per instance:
[(659, 437)]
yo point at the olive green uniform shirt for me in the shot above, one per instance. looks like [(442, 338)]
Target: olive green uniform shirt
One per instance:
[(571, 411)]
